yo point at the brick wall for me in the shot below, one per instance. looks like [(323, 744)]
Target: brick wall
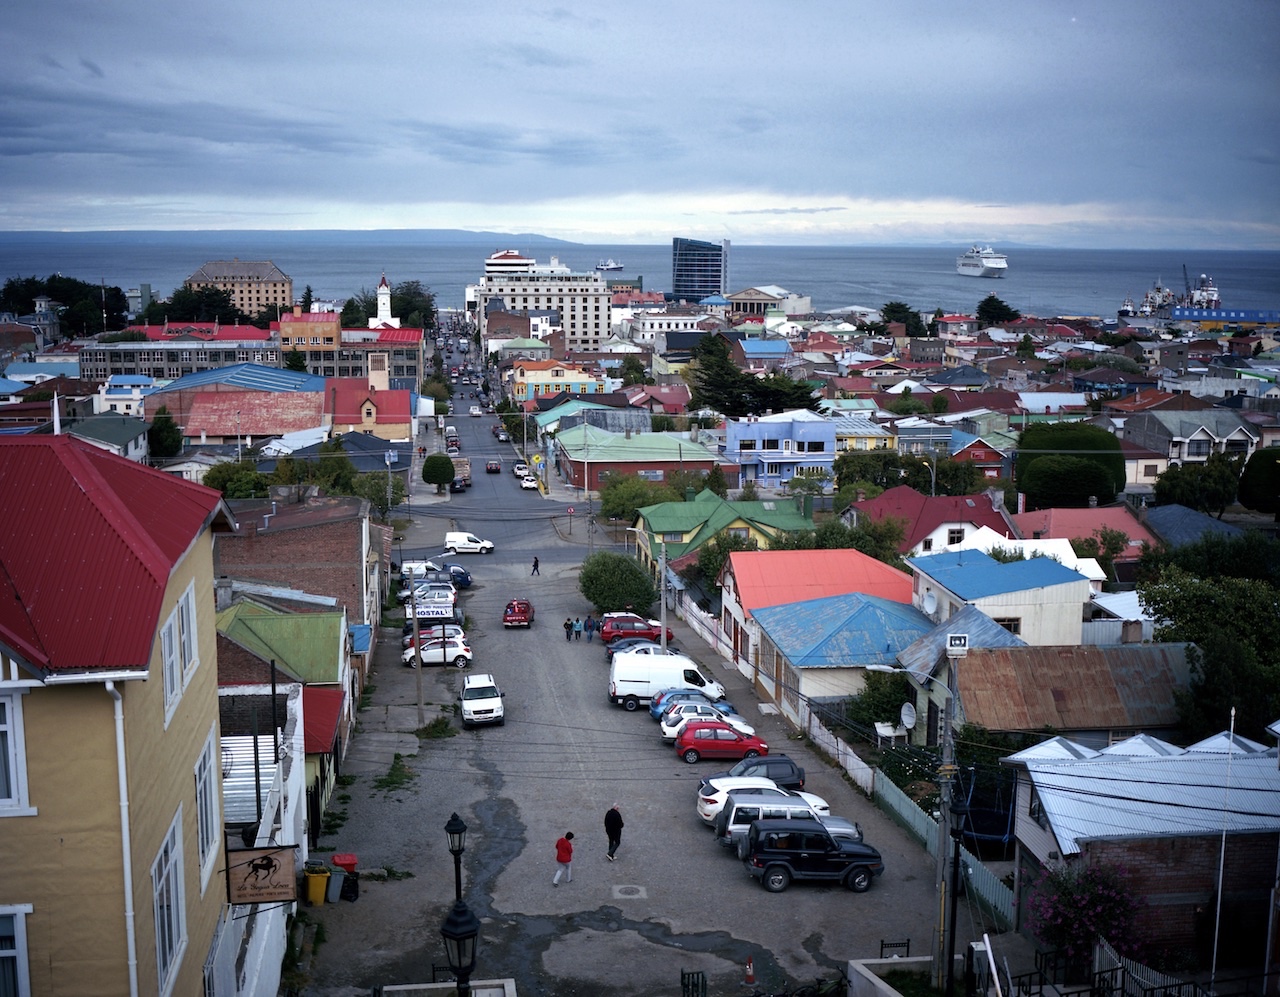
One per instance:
[(1177, 877)]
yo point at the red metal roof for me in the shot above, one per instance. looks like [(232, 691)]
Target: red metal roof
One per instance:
[(922, 514), (321, 711), (1075, 524), (252, 413), (201, 330), (90, 540), (776, 577), (345, 396)]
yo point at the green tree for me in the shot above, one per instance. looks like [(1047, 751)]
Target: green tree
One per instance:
[(437, 470), (413, 303), (1026, 347), (373, 486), (622, 494), (335, 473), (882, 468), (1236, 659), (906, 404), (992, 311), (660, 422), (205, 304), (1065, 482), (713, 554), (1105, 545), (809, 484), (1214, 555), (1074, 439), (880, 700), (718, 384), (1260, 482), (295, 359), (307, 300), (1209, 487), (879, 538), (748, 493), (360, 307), (82, 303), (899, 311), (939, 403), (164, 438), (715, 481), (614, 582), (632, 370), (237, 480)]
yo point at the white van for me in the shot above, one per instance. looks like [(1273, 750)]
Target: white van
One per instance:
[(635, 678), (466, 543)]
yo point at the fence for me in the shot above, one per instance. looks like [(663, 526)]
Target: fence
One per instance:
[(978, 878), (1133, 979), (862, 774)]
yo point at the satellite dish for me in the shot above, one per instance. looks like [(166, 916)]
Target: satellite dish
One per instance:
[(930, 603), (908, 716)]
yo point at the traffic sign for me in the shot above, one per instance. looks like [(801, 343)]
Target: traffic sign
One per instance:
[(570, 510), (536, 460)]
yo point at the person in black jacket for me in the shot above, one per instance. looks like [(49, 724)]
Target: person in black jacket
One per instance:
[(613, 828)]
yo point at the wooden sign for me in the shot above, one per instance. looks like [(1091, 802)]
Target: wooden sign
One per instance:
[(261, 875)]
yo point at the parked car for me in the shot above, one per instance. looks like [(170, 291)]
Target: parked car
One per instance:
[(779, 851), (529, 482), (493, 467), (428, 631), (659, 703), (781, 769), (711, 796), (838, 827), (741, 810), (461, 576), (710, 739), (439, 651), (629, 625), (453, 451), (518, 613), (480, 701), (475, 411), (503, 437), (629, 644), (679, 714), (520, 469)]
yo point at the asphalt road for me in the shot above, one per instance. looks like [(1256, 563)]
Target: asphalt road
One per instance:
[(673, 900)]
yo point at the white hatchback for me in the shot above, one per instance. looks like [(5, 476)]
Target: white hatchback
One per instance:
[(674, 719), (712, 796)]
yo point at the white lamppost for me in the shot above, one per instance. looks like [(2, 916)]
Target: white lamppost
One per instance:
[(662, 580), (957, 648)]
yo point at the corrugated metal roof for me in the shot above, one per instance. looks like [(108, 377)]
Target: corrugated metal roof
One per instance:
[(971, 574), (772, 577), (308, 645), (1073, 688), (89, 543), (250, 376), (321, 712), (240, 786), (842, 631), (252, 413), (1187, 794), (923, 656)]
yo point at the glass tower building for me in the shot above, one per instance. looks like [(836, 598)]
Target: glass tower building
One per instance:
[(699, 269)]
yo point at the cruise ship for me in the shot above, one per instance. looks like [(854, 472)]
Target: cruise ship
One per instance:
[(982, 261)]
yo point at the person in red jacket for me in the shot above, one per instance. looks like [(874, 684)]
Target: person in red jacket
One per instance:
[(564, 858)]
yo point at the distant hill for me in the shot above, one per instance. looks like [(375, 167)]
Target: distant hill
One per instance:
[(380, 237)]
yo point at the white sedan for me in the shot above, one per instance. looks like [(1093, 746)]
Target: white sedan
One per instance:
[(529, 481), (674, 719), (520, 470), (429, 631), (440, 651), (712, 797)]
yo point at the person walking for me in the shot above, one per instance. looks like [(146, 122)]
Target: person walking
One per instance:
[(589, 626), (577, 628), (564, 858), (535, 567), (613, 829), (568, 628)]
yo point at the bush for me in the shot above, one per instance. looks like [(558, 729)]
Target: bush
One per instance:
[(613, 582), (1071, 907)]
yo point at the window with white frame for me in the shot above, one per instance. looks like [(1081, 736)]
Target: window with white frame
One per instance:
[(178, 649), (207, 815), (14, 801), (169, 905), (15, 976)]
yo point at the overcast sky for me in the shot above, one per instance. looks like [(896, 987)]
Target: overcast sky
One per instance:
[(1112, 124)]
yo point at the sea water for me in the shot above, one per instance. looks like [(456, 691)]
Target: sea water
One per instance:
[(336, 265)]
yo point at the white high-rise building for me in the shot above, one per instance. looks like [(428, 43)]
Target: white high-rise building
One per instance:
[(522, 286)]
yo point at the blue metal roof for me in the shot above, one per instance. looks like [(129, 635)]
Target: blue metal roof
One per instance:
[(765, 347), (251, 376), (842, 631), (971, 574), (361, 638)]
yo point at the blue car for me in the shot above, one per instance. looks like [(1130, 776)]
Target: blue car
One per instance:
[(659, 703), (461, 576)]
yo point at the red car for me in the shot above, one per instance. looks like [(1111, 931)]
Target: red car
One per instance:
[(711, 739), (518, 613), (617, 625)]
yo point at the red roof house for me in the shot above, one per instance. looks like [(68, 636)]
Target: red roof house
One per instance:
[(932, 524)]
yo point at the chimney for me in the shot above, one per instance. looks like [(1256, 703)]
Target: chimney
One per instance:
[(688, 494), (297, 311)]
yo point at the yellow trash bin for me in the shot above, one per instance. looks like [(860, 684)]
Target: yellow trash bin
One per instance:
[(317, 876)]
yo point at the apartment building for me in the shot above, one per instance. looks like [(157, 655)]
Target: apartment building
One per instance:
[(252, 284), (523, 286), (176, 349)]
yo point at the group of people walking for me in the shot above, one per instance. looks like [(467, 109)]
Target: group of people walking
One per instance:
[(564, 845), (574, 628)]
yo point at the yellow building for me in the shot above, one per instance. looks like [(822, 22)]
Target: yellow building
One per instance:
[(111, 832), (253, 284)]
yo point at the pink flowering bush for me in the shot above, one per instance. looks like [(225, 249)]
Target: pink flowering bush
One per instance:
[(1069, 908)]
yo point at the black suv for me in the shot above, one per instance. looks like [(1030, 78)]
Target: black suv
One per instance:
[(779, 851), (781, 769)]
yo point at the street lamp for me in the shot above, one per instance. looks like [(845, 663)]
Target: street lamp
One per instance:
[(390, 458), (461, 928), (662, 581), (957, 648)]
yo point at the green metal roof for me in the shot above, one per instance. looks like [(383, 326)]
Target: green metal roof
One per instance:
[(584, 442), (552, 416), (709, 514), (309, 646)]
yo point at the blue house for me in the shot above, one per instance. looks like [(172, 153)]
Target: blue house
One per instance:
[(773, 449), (819, 649)]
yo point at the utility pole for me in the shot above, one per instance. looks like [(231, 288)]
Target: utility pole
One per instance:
[(957, 648), (662, 589)]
